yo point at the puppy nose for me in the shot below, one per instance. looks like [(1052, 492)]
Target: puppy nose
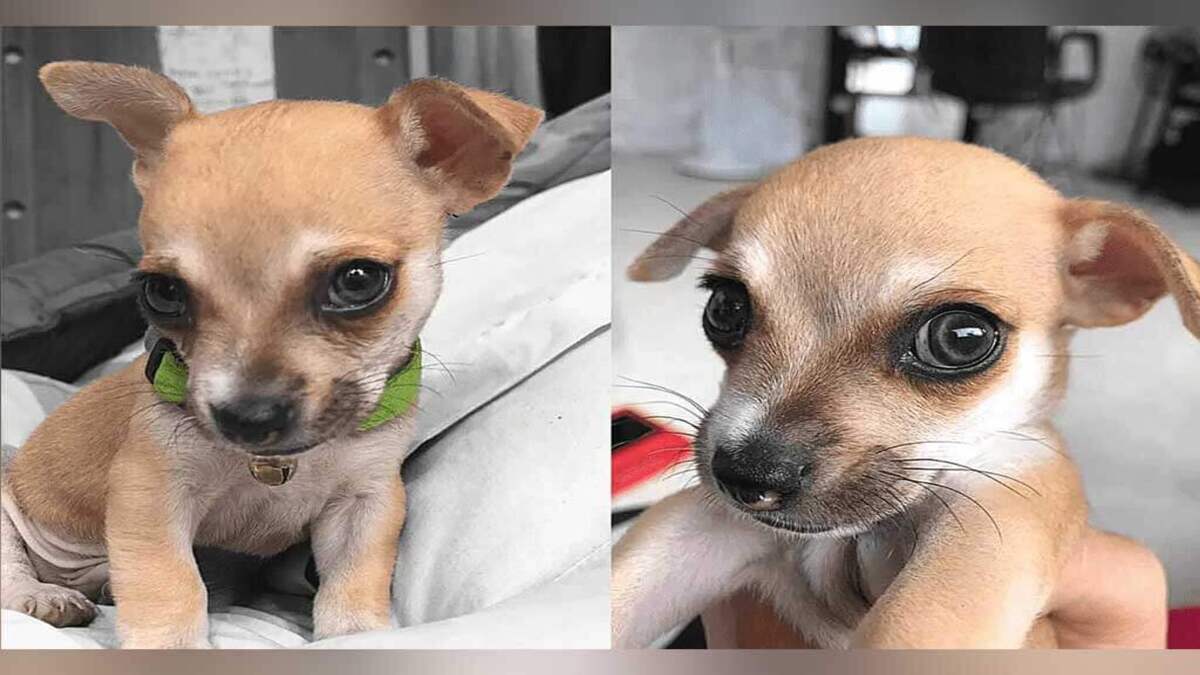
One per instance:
[(760, 475), (254, 420)]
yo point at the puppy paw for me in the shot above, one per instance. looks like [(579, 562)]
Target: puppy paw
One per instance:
[(159, 642), (330, 624), (56, 605), (164, 637)]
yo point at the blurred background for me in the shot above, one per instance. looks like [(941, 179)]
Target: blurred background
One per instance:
[(1105, 112), (733, 102), (66, 181)]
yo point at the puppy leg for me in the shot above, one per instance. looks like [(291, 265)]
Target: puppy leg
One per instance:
[(678, 558), (160, 597), (970, 586), (354, 544), (21, 590)]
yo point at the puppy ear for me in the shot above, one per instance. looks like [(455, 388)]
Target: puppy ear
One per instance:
[(140, 104), (1118, 263), (463, 139), (707, 225)]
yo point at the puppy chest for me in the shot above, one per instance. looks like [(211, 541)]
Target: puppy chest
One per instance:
[(826, 587), (245, 515), (259, 519)]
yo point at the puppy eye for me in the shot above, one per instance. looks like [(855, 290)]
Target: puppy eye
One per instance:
[(957, 339), (164, 296), (357, 285), (727, 314)]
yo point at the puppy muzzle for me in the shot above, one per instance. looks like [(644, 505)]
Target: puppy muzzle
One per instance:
[(761, 474)]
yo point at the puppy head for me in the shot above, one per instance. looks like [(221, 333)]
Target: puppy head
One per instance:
[(885, 305), (292, 248)]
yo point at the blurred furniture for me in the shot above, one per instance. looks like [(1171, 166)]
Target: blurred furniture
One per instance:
[(575, 65), (758, 111), (1005, 66), (1164, 143), (847, 51)]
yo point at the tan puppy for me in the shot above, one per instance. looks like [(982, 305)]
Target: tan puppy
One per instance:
[(894, 315), (292, 255)]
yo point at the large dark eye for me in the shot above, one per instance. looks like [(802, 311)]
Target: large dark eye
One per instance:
[(957, 339), (357, 285), (164, 296), (727, 314)]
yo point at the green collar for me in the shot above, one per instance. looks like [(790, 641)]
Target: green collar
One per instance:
[(169, 375)]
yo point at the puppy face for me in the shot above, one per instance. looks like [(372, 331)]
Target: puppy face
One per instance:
[(884, 306), (292, 249)]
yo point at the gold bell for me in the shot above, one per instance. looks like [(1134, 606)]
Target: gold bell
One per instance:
[(273, 471)]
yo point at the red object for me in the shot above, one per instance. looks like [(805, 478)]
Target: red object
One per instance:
[(650, 449), (1183, 628)]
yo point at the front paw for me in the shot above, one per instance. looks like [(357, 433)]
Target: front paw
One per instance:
[(165, 643), (159, 641), (165, 637), (331, 621)]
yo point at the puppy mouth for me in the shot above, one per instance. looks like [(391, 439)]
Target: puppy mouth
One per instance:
[(280, 452), (777, 523), (774, 520)]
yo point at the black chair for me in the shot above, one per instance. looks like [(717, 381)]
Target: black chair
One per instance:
[(1164, 142), (1004, 66)]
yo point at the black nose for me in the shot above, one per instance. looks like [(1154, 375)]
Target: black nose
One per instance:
[(763, 475), (254, 420)]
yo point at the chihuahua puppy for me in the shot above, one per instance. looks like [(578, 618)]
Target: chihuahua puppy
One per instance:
[(879, 467), (291, 257)]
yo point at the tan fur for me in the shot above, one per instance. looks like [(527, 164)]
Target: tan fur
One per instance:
[(161, 598), (253, 208), (364, 583), (63, 483), (835, 251)]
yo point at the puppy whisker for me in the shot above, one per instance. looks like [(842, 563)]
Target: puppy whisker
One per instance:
[(107, 252), (677, 448), (689, 423), (927, 488), (896, 503), (447, 261), (993, 475), (1032, 439), (681, 471), (663, 256), (958, 492), (675, 404), (440, 363), (686, 216), (883, 449), (641, 384), (665, 234), (945, 269), (145, 409)]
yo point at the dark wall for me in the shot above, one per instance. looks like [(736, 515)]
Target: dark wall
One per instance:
[(346, 64), (63, 180)]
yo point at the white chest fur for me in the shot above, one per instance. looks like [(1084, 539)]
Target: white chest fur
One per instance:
[(826, 586), (228, 508)]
